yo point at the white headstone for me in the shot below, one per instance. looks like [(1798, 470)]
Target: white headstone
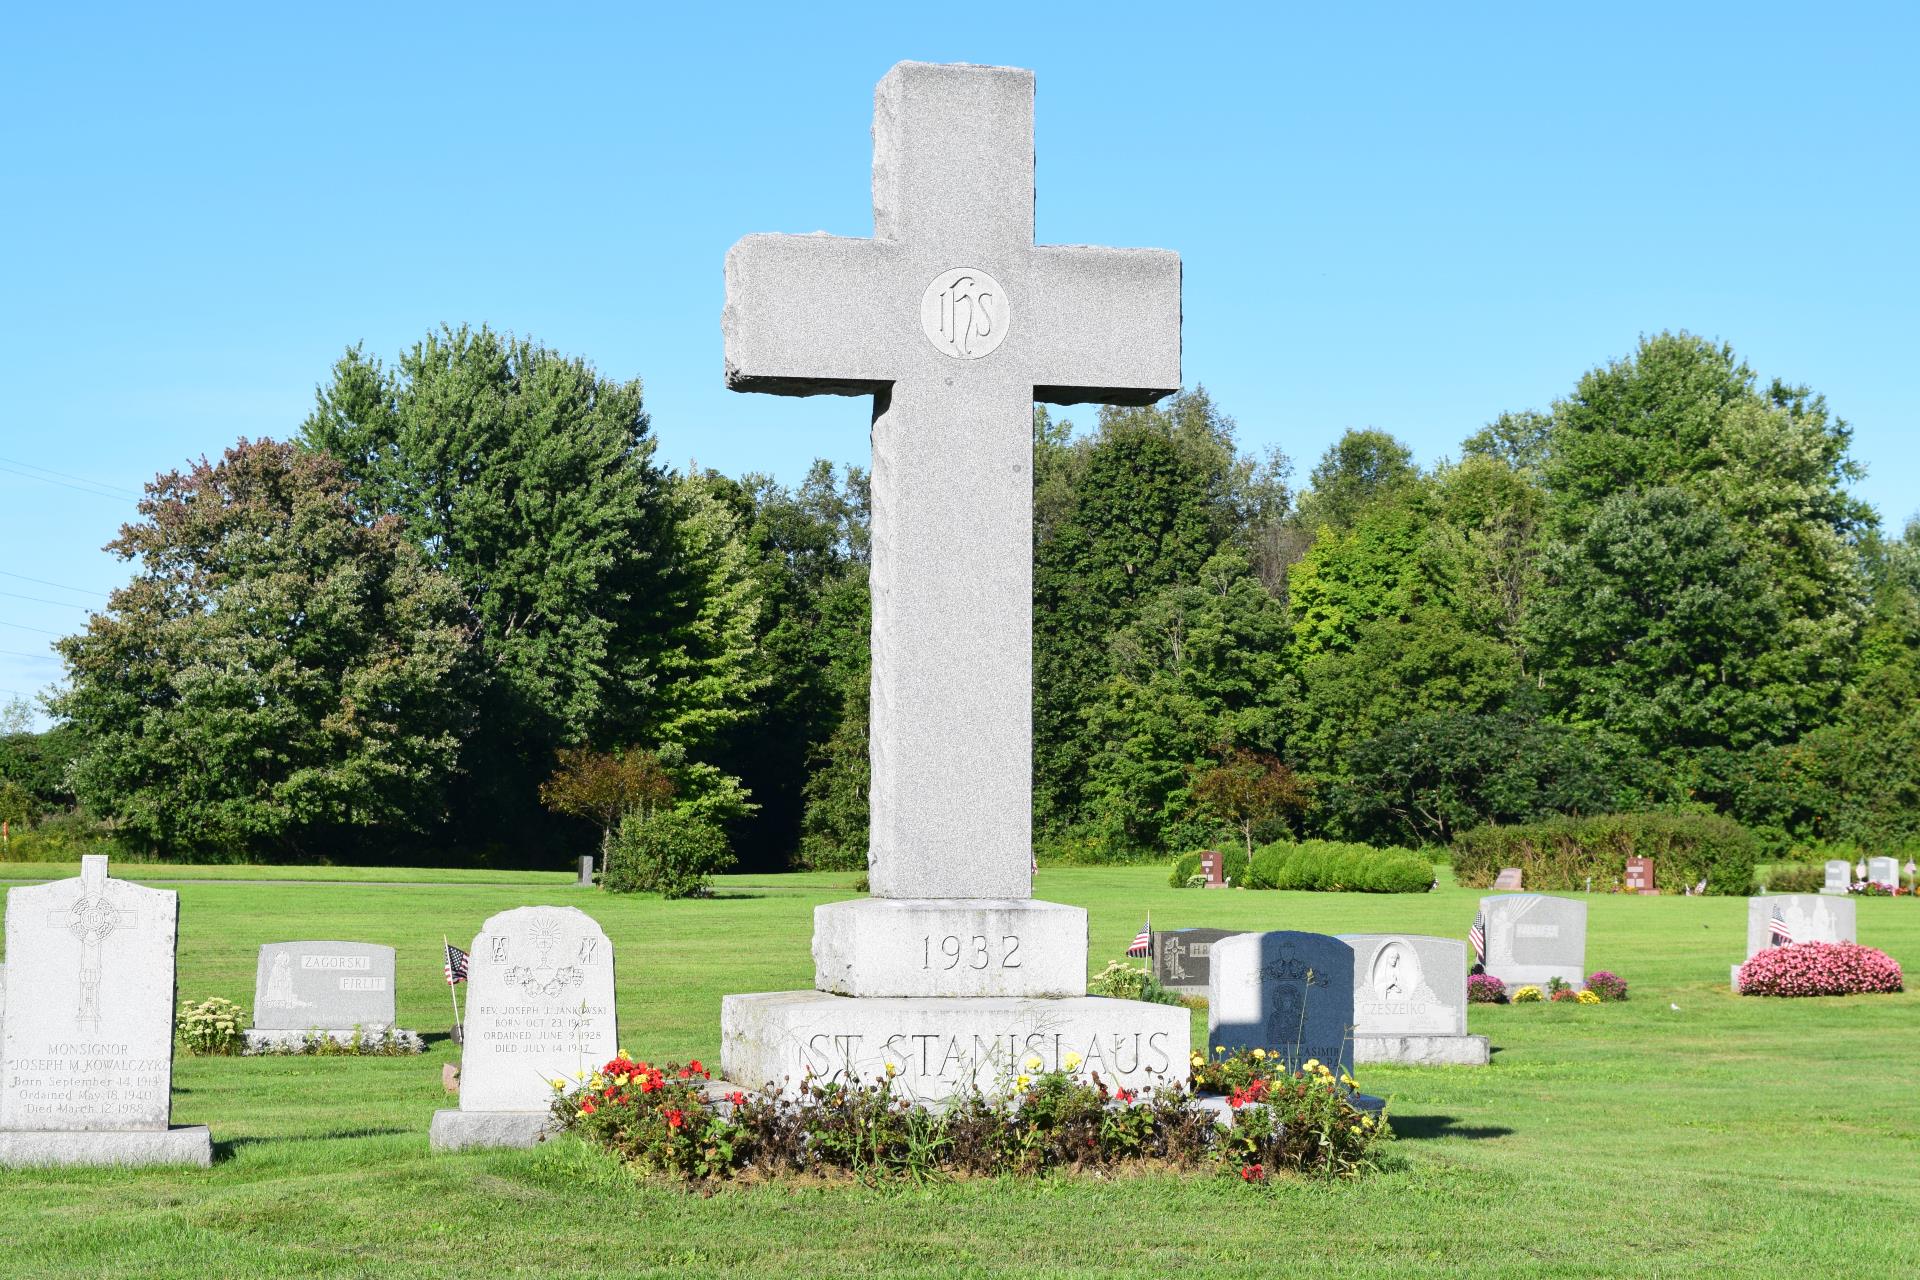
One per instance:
[(1410, 1001), (1786, 918), (86, 1049), (1839, 877), (1533, 938), (1884, 871), (955, 322)]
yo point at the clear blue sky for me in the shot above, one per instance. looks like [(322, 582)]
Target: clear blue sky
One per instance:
[(1408, 217)]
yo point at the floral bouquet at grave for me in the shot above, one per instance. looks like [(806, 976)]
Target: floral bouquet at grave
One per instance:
[(657, 1117), (1282, 1117), (1484, 988), (1607, 985), (1819, 969), (1528, 995)]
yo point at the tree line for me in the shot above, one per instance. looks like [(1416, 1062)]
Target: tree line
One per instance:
[(463, 605)]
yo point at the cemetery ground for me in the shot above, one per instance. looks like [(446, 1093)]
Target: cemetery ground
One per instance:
[(1729, 1136)]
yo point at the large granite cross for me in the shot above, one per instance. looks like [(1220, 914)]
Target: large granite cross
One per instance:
[(955, 322)]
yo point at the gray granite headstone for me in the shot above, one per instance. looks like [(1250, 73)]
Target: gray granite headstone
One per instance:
[(1884, 871), (1533, 938), (1182, 958), (1508, 881), (1286, 992), (1803, 917), (326, 985), (1408, 984), (540, 1007), (86, 1050), (1839, 877)]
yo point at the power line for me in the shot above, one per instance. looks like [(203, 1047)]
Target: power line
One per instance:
[(98, 493), (22, 653), (21, 626), (65, 604), (68, 475), (89, 591)]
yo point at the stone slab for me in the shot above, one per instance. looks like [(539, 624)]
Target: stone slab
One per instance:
[(540, 1006), (1809, 917), (88, 1038), (939, 1047), (1839, 877), (1182, 958), (305, 985), (1423, 1050), (189, 1144), (261, 1040), (949, 947), (1284, 991), (1883, 871), (1408, 984), (1533, 938), (464, 1130)]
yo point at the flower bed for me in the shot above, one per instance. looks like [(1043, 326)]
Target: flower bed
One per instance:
[(1819, 969), (1484, 988), (669, 1121)]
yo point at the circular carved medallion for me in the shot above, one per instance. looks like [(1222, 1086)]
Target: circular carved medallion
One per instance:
[(964, 312)]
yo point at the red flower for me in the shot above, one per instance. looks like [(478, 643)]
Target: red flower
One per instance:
[(587, 1108), (695, 1066), (1253, 1173), (1125, 1095), (737, 1098), (675, 1119)]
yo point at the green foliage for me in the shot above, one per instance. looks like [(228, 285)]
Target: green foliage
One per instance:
[(1122, 981), (1561, 853), (1331, 866), (668, 852), (1234, 865), (1788, 877), (278, 671)]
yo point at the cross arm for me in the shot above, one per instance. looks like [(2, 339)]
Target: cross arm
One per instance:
[(1106, 324), (803, 315)]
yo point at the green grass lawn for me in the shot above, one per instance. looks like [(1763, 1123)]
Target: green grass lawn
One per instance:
[(1724, 1137)]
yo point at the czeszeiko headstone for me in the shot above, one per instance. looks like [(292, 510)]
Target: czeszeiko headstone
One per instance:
[(1839, 877), (330, 989), (954, 322), (1182, 958), (540, 1008), (86, 1052), (1410, 1001), (1533, 938)]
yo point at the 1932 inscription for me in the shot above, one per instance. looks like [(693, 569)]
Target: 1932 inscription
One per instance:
[(970, 951)]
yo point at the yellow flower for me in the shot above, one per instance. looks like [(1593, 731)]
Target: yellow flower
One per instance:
[(1259, 1055), (559, 1086), (1197, 1059), (1073, 1061), (622, 1053), (1023, 1081), (1033, 1062), (1367, 1121), (892, 1069), (1347, 1081), (1219, 1048), (598, 1080), (1311, 1064)]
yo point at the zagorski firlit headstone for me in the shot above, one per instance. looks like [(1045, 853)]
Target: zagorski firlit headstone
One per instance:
[(334, 990), (954, 322), (540, 1008), (86, 1048)]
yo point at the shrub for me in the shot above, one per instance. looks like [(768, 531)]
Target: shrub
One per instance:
[(1121, 981), (665, 852), (1484, 988), (1795, 878), (1187, 866), (1560, 853), (1527, 995), (212, 1027), (1333, 866), (1819, 969), (1607, 985), (662, 1120)]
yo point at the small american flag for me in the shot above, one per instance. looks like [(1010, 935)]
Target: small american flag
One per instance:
[(1143, 940), (456, 967), (1779, 933), (1477, 937)]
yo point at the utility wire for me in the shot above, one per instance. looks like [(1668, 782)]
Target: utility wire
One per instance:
[(87, 591), (65, 604), (21, 626), (68, 475), (22, 653)]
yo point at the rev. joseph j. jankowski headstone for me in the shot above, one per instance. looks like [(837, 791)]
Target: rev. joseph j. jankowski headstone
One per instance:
[(954, 322), (86, 1048)]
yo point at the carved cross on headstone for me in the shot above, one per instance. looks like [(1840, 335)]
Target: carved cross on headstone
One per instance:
[(91, 918), (955, 322)]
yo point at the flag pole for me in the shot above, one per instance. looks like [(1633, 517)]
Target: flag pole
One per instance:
[(453, 997)]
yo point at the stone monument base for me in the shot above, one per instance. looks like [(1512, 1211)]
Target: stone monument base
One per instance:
[(460, 1130), (942, 1045), (277, 1040), (1422, 1050), (181, 1144), (1836, 893), (950, 947)]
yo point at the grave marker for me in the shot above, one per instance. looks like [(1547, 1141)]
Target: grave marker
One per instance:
[(1182, 958), (1884, 871), (1839, 877), (1533, 938), (1508, 881), (1410, 1001), (325, 988), (86, 1048)]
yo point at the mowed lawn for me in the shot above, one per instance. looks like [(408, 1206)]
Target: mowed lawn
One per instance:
[(1723, 1137)]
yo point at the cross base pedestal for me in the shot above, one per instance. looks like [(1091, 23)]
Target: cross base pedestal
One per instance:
[(460, 1130), (939, 1046), (181, 1144), (950, 947)]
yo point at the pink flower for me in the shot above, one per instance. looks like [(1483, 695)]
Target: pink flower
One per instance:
[(1819, 969)]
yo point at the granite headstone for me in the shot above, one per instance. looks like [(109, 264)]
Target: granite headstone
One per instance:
[(1182, 958), (86, 1049), (1839, 877), (1884, 871), (540, 1008), (1285, 991), (1410, 1000), (1533, 938), (1508, 881), (1801, 917), (328, 988)]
